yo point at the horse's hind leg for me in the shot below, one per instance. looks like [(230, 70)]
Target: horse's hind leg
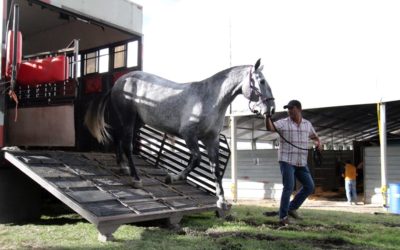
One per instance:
[(128, 150), (117, 139), (127, 132), (118, 153), (193, 146), (212, 145)]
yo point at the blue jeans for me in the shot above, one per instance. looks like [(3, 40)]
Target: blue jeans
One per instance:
[(289, 174), (351, 192)]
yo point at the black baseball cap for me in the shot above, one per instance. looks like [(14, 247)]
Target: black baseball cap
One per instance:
[(293, 103)]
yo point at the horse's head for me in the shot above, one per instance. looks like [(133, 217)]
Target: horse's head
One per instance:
[(257, 90)]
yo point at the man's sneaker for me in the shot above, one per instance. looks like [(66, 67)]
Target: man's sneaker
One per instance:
[(294, 214), (284, 221)]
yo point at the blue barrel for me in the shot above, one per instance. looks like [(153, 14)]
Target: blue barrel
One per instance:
[(394, 198)]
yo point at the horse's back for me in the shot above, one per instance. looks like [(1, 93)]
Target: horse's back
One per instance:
[(156, 100)]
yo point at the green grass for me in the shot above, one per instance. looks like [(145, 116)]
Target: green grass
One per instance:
[(244, 228)]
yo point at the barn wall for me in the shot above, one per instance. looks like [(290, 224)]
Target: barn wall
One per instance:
[(259, 175), (372, 172)]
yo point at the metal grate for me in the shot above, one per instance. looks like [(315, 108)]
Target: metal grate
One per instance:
[(44, 94), (171, 153)]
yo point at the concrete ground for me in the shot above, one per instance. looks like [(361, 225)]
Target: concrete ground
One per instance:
[(323, 205), (325, 202)]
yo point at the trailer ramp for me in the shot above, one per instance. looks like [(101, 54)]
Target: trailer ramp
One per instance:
[(93, 186)]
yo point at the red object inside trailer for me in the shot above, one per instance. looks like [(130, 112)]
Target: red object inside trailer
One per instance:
[(34, 71), (46, 70)]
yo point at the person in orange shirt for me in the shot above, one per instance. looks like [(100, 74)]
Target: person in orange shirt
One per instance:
[(350, 184)]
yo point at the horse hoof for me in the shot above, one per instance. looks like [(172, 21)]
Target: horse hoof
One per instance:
[(136, 183), (224, 205)]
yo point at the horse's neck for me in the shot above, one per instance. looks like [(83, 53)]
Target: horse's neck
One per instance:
[(232, 85)]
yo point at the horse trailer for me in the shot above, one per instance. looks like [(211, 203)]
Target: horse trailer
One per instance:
[(58, 56)]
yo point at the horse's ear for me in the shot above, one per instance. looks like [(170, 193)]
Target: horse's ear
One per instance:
[(258, 63)]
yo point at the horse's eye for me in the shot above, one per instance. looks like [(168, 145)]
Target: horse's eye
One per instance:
[(262, 82)]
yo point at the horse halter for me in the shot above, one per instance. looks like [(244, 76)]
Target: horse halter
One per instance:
[(256, 91)]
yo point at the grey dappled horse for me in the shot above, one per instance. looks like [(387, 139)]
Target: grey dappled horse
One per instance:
[(194, 111)]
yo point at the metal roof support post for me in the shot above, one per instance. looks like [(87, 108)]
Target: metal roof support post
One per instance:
[(383, 146), (233, 158)]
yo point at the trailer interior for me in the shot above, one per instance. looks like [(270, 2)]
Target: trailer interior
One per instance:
[(53, 82)]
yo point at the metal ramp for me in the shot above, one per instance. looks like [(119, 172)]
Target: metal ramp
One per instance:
[(94, 186)]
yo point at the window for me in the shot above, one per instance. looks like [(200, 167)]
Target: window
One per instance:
[(78, 73), (119, 56), (72, 66), (91, 64), (133, 54), (103, 60), (97, 61)]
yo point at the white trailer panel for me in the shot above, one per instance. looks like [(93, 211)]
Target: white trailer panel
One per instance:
[(125, 14)]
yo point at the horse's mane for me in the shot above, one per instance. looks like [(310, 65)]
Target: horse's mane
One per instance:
[(233, 73)]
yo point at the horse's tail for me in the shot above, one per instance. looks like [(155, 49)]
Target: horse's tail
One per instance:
[(94, 119)]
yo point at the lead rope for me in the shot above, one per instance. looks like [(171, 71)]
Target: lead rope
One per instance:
[(14, 97)]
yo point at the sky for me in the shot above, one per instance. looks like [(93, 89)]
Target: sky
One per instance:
[(323, 53)]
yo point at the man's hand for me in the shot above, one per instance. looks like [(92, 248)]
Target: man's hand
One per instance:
[(318, 145), (268, 124)]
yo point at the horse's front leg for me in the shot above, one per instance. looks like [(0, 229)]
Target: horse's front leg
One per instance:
[(193, 146), (212, 150)]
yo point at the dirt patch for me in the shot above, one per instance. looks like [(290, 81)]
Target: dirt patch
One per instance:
[(228, 245), (251, 222), (297, 225), (346, 228), (224, 238), (388, 224), (230, 218), (242, 235), (332, 243), (247, 221), (271, 214)]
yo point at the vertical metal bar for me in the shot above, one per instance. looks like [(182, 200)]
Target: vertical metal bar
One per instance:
[(15, 48), (383, 147), (76, 52), (233, 159)]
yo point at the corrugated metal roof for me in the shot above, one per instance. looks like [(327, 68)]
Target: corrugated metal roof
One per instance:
[(335, 125)]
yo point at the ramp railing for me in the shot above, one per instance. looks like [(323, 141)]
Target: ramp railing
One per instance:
[(171, 153)]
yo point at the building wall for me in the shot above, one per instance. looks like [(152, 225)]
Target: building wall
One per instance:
[(372, 172), (259, 175)]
